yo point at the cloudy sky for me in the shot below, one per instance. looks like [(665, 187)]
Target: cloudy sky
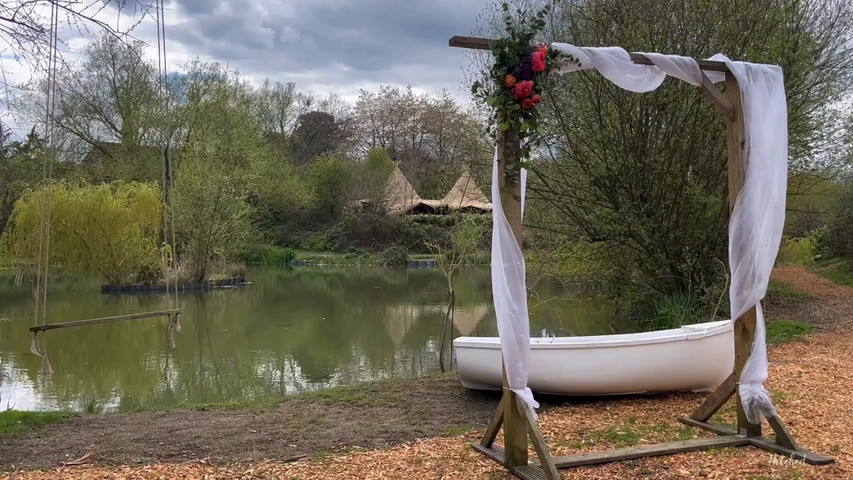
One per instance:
[(325, 46)]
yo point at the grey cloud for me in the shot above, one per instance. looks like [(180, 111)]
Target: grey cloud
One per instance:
[(342, 41)]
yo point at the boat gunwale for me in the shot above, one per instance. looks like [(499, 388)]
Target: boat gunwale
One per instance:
[(686, 333)]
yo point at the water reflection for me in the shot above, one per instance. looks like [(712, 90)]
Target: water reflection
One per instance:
[(291, 331)]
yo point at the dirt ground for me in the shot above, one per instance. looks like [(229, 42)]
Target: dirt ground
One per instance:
[(390, 414), (418, 430)]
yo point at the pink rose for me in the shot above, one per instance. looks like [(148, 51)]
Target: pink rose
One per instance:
[(522, 89), (527, 103), (536, 98)]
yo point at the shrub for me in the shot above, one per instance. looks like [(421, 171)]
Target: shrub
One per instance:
[(395, 256), (797, 251), (270, 255), (329, 179), (677, 310), (839, 237)]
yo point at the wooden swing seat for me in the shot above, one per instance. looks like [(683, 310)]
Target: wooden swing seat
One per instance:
[(95, 321)]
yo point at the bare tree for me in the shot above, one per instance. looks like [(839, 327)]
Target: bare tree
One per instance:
[(25, 25)]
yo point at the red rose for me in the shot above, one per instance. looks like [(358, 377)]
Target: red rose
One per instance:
[(536, 98), (538, 62), (522, 90), (510, 80), (527, 103), (538, 59)]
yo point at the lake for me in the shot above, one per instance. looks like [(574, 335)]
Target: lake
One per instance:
[(291, 330)]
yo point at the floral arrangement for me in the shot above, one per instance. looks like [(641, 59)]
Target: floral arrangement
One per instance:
[(514, 88)]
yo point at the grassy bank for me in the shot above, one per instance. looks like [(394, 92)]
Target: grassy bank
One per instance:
[(840, 272), (15, 422)]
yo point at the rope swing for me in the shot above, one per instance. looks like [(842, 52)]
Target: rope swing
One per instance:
[(167, 251)]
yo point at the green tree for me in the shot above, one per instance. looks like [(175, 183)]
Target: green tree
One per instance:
[(839, 237), (223, 146), (20, 168), (371, 179), (109, 229), (642, 177), (329, 178), (110, 110)]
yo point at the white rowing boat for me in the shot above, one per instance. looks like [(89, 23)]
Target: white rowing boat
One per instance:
[(694, 357)]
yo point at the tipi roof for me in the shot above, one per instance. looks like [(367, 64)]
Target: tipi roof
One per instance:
[(400, 195), (465, 194)]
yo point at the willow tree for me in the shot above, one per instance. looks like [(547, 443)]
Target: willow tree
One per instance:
[(108, 230)]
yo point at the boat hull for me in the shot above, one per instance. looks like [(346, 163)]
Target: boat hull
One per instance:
[(695, 357)]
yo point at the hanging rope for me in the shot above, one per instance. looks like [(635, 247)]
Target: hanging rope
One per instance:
[(169, 254), (41, 287)]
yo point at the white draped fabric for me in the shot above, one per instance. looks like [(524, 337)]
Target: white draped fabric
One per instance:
[(755, 228)]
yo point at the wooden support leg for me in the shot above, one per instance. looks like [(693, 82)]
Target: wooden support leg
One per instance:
[(744, 330), (716, 400), (517, 421), (494, 425), (783, 437), (545, 460)]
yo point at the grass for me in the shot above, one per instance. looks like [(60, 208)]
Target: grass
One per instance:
[(630, 433), (381, 393), (778, 291), (677, 310), (456, 431), (334, 259), (838, 272), (16, 422), (377, 394), (785, 331)]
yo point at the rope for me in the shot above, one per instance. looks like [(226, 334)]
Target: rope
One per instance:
[(168, 172), (47, 184)]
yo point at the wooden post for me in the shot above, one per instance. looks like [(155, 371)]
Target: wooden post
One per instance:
[(514, 424), (744, 327)]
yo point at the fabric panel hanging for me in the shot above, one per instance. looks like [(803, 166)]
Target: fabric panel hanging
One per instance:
[(755, 229)]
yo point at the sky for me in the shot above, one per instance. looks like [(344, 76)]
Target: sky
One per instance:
[(324, 46)]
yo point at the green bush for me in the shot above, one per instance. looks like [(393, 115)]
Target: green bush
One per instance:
[(395, 256), (839, 237), (797, 251), (270, 255), (677, 310), (330, 179), (108, 229)]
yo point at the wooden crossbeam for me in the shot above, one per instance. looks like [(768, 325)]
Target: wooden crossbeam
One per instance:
[(629, 453), (479, 43), (781, 445), (95, 321)]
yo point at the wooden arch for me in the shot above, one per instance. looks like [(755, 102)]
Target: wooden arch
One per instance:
[(514, 416)]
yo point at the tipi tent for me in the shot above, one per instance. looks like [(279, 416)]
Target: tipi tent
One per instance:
[(466, 195), (400, 195)]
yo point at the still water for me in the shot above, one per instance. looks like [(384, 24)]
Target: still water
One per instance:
[(289, 331)]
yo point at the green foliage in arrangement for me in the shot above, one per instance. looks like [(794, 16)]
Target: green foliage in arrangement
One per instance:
[(514, 87)]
